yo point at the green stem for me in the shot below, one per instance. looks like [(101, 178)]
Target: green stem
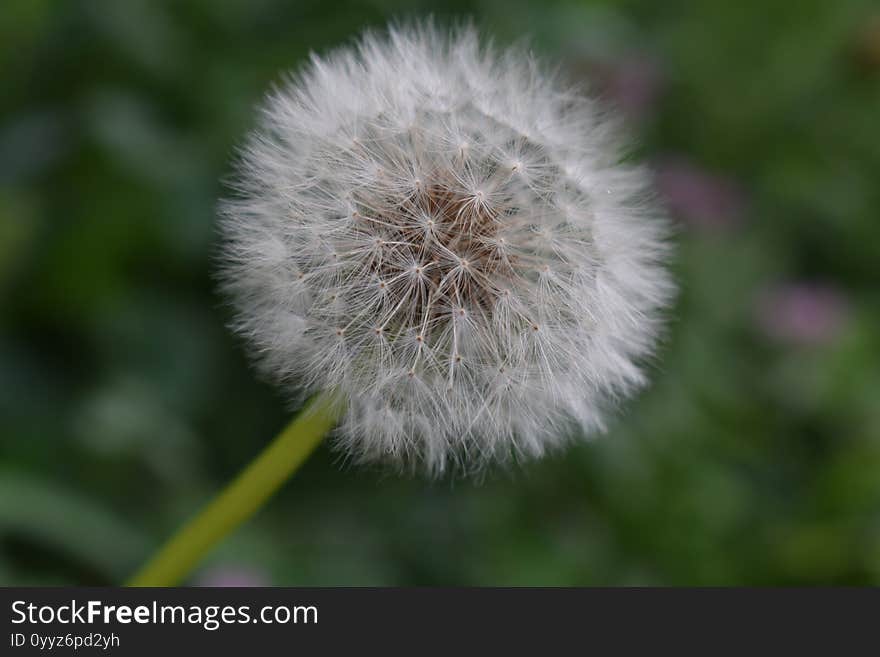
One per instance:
[(241, 498)]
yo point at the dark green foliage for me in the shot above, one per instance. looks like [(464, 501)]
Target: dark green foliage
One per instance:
[(124, 403)]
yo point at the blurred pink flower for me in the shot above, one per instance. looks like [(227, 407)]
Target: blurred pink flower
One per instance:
[(802, 313), (232, 575), (697, 197), (633, 84)]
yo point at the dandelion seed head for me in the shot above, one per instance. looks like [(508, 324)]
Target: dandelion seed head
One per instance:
[(422, 225)]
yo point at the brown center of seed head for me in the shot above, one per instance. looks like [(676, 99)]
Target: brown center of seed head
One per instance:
[(446, 237)]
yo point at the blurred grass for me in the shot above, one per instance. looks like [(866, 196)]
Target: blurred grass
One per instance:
[(124, 403)]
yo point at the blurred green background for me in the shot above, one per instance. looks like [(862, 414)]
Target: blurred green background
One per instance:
[(124, 402)]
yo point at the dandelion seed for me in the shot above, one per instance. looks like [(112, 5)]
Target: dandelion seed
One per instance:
[(446, 191)]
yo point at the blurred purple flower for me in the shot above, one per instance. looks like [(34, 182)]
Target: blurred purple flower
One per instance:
[(633, 84), (232, 575), (697, 197), (802, 313)]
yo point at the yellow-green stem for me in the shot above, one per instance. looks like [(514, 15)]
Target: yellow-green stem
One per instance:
[(241, 498)]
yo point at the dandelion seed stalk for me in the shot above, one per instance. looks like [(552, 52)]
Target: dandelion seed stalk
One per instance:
[(242, 498), (448, 236)]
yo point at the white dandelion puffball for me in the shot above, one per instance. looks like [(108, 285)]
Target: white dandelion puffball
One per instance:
[(446, 238)]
